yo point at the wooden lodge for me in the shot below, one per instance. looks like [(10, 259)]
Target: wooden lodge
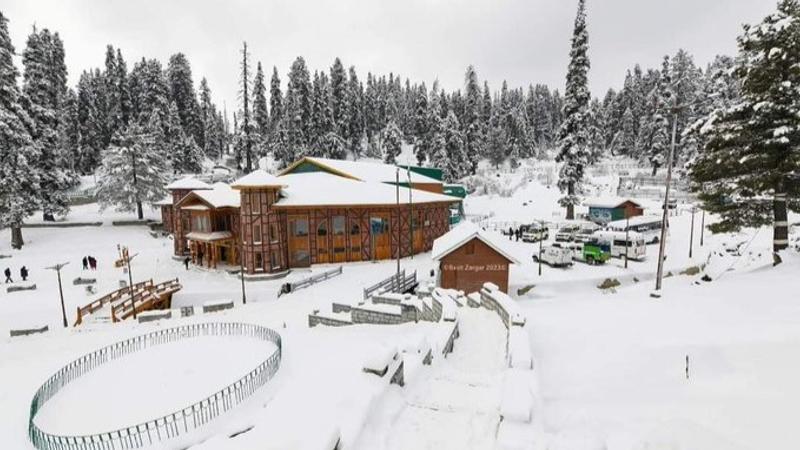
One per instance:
[(469, 257), (316, 211)]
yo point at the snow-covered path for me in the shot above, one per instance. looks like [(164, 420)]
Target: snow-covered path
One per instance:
[(454, 405)]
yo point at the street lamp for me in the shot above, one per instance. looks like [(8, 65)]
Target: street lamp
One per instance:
[(58, 268), (241, 267), (627, 233), (691, 233), (128, 259), (541, 238), (702, 227)]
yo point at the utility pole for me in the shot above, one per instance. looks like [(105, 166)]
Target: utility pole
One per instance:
[(702, 227), (691, 233), (627, 234), (128, 259), (411, 211), (58, 268), (541, 238), (665, 207), (241, 268), (397, 193)]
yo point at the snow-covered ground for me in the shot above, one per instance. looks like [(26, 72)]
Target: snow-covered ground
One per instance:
[(610, 364)]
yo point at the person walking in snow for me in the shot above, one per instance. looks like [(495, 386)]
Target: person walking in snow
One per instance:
[(23, 273), (518, 233), (85, 263), (7, 273), (186, 262), (510, 233)]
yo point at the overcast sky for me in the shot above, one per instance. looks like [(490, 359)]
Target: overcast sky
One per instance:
[(522, 41)]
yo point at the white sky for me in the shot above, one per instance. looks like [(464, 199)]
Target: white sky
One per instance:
[(523, 41)]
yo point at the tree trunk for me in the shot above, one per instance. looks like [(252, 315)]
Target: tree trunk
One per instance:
[(139, 210), (655, 169), (16, 237), (780, 228), (570, 206)]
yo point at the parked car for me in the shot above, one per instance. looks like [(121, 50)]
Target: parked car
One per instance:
[(535, 233), (592, 252), (567, 233), (586, 231), (673, 203), (555, 256), (577, 231)]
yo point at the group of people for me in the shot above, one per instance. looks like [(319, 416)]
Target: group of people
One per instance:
[(514, 233), (23, 273), (89, 262)]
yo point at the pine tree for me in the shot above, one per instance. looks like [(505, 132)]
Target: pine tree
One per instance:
[(421, 132), (245, 135), (298, 106), (471, 120), (355, 113), (18, 154), (392, 139), (321, 121), (627, 140), (181, 88), (458, 164), (134, 170), (275, 99), (45, 85), (338, 100), (497, 140), (260, 112), (748, 170), (573, 136)]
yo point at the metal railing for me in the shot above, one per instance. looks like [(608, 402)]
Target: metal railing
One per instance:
[(313, 279), (168, 426), (399, 282)]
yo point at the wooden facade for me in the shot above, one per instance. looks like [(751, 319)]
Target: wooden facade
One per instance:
[(274, 237), (470, 265)]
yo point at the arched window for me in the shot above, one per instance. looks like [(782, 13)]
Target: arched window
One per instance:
[(322, 228)]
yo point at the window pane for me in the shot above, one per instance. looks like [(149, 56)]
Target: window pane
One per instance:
[(338, 225), (322, 228), (301, 227)]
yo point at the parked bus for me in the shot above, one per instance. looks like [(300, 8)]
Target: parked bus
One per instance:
[(647, 226), (634, 245)]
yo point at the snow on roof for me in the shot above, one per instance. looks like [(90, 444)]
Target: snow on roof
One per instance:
[(366, 171), (608, 202), (633, 221), (209, 237), (190, 183), (257, 178), (166, 201), (220, 196), (315, 188), (462, 234)]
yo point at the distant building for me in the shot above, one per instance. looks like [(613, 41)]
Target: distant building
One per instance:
[(603, 211), (316, 211), (469, 257)]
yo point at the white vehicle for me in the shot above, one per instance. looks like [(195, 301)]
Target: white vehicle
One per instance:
[(577, 231), (567, 233), (535, 233), (555, 256), (647, 226), (586, 231), (635, 245)]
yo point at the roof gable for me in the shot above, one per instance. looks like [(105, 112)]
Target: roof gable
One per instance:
[(464, 233)]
